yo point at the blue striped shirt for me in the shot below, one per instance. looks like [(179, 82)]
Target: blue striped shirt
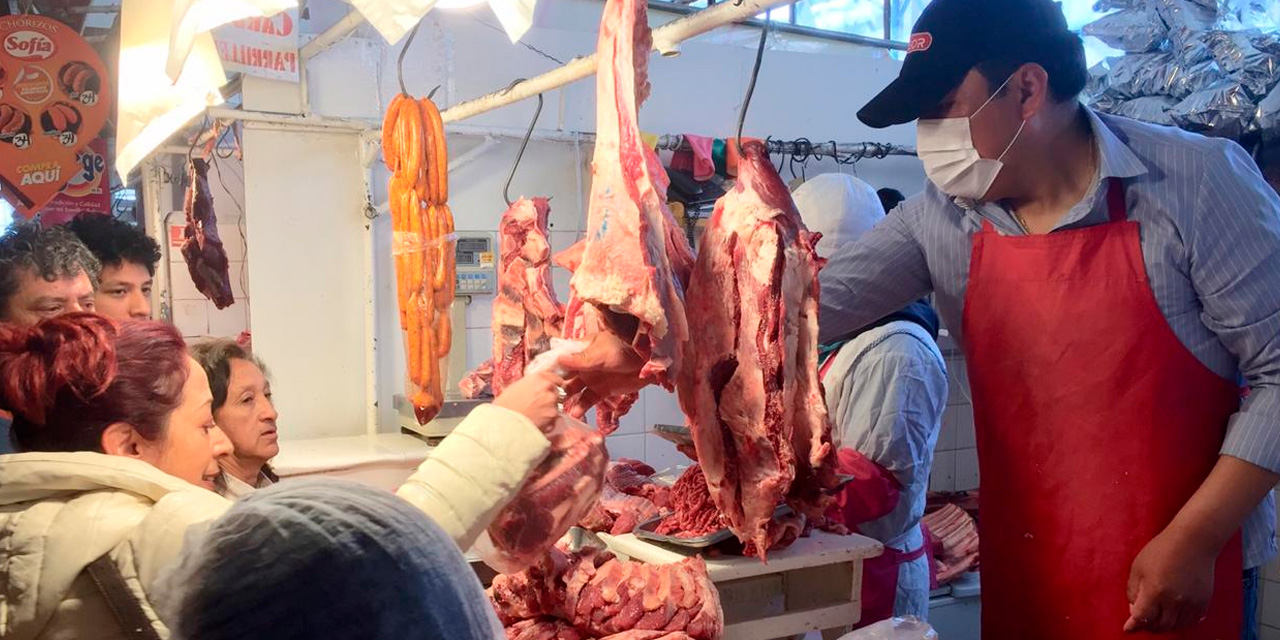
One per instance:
[(1210, 228)]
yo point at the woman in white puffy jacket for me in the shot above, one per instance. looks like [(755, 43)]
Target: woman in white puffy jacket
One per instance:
[(119, 445)]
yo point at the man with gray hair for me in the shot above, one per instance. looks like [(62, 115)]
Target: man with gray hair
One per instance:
[(44, 273)]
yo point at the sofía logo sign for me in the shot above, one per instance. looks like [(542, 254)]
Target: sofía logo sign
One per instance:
[(29, 45)]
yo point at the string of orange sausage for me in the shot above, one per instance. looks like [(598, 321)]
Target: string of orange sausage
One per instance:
[(414, 149)]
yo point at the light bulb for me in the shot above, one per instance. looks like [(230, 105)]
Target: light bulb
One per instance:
[(457, 4)]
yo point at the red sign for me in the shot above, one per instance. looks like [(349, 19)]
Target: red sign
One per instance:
[(53, 102), (88, 191), (920, 42)]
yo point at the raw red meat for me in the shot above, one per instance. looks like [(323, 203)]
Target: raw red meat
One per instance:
[(750, 380), (634, 259), (630, 497), (955, 540), (782, 532), (600, 596), (558, 493), (635, 478), (526, 314), (201, 246), (544, 629), (478, 383), (694, 512)]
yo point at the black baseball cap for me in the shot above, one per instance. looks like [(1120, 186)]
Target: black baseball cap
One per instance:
[(953, 36)]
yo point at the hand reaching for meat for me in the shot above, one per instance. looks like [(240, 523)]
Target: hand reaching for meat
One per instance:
[(607, 367), (1170, 585), (537, 396)]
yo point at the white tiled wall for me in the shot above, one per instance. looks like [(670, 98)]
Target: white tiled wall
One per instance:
[(194, 314), (955, 460)]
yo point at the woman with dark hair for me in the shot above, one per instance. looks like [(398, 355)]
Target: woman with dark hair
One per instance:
[(116, 427), (243, 409)]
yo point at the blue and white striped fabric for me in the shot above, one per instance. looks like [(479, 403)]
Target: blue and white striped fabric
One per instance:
[(1210, 231)]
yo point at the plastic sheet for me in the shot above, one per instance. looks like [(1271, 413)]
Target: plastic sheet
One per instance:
[(1223, 110), (1133, 30), (905, 628), (423, 272), (1153, 109), (560, 491)]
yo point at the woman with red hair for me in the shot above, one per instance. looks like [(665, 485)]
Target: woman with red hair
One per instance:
[(118, 443)]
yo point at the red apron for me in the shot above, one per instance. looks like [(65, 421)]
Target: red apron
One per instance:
[(873, 495), (1095, 425)]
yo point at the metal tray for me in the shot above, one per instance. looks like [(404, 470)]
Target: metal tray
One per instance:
[(645, 531)]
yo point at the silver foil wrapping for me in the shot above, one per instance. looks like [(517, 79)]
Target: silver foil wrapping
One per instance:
[(1181, 80), (1224, 110), (1138, 75), (1184, 18), (1236, 54), (1133, 30), (1153, 109), (1268, 114)]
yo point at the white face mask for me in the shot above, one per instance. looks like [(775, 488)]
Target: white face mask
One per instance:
[(952, 162)]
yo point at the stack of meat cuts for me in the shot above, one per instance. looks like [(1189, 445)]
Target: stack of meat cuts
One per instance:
[(592, 595), (526, 314), (749, 383), (201, 246), (634, 261), (955, 542), (630, 497)]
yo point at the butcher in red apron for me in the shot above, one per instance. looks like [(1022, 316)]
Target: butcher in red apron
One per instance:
[(886, 389)]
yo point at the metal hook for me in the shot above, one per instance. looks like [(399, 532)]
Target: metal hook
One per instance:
[(755, 73), (400, 59), (506, 188)]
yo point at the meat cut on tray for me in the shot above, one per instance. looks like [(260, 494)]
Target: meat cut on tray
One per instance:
[(634, 262), (749, 384), (590, 595), (630, 497)]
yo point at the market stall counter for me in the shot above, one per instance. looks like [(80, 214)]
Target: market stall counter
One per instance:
[(815, 584)]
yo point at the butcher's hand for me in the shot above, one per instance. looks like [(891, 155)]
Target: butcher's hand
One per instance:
[(537, 396), (607, 367), (1170, 584)]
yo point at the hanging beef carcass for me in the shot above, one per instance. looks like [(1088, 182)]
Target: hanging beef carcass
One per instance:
[(201, 246), (526, 314), (629, 273), (749, 383)]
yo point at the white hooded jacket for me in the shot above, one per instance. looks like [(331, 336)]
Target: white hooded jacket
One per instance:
[(886, 389), (59, 512)]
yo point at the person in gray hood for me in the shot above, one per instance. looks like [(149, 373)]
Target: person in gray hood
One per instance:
[(324, 559)]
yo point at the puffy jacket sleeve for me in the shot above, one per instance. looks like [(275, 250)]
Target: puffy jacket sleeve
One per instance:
[(476, 471)]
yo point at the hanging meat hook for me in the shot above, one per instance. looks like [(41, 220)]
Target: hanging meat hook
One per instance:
[(751, 87), (506, 188)]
